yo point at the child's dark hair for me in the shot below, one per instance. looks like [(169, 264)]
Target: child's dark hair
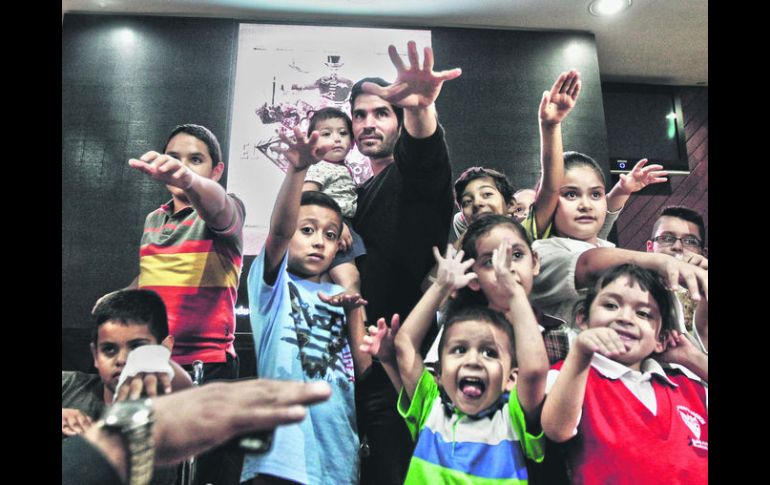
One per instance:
[(686, 214), (482, 226), (478, 313), (143, 307), (476, 230), (314, 197), (647, 281), (501, 182), (329, 114), (203, 134), (577, 159), (356, 91)]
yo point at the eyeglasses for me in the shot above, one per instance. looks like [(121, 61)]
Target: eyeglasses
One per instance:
[(669, 240)]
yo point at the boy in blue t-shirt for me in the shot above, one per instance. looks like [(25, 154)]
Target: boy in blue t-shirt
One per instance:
[(300, 333)]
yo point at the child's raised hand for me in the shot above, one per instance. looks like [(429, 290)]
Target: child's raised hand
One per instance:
[(416, 86), (164, 168), (677, 272), (345, 300), (640, 177), (602, 340), (451, 269), (556, 104), (508, 280), (379, 342), (301, 151)]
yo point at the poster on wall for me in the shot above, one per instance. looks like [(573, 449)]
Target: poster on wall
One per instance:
[(283, 74)]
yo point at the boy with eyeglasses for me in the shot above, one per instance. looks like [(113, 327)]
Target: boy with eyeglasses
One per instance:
[(681, 233)]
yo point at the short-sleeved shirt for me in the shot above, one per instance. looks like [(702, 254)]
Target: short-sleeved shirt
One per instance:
[(84, 392), (298, 337), (453, 447), (337, 182), (628, 414), (196, 271), (554, 289)]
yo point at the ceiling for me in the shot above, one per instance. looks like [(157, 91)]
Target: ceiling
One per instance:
[(653, 42)]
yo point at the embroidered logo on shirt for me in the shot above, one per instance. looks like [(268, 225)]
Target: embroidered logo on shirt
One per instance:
[(693, 421), (320, 339)]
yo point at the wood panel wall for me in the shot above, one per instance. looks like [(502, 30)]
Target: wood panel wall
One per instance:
[(634, 226)]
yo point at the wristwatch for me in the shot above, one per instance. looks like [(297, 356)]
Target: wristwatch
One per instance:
[(133, 420)]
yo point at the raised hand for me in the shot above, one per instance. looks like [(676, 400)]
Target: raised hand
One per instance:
[(602, 340), (640, 177), (557, 103), (678, 273), (693, 258), (379, 342), (73, 422), (164, 168), (508, 280), (301, 151), (451, 269), (416, 86), (345, 300)]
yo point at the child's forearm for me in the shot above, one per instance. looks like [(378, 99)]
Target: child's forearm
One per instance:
[(562, 407), (283, 221), (412, 334), (698, 363), (551, 173), (211, 202), (595, 261), (531, 356), (617, 198), (357, 331)]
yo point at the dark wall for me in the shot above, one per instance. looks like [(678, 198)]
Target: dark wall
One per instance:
[(121, 96), (635, 223), (123, 93), (491, 112)]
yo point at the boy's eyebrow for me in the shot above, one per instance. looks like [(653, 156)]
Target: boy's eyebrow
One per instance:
[(491, 186), (315, 221), (619, 297), (140, 339)]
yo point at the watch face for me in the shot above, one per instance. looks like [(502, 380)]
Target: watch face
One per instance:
[(129, 413)]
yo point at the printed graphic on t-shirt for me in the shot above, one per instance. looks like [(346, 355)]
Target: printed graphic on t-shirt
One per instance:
[(321, 340), (693, 421)]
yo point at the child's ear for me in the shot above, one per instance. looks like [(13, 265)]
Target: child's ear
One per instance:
[(649, 246), (93, 352), (660, 343), (535, 264), (580, 320), (217, 171), (168, 342), (512, 376)]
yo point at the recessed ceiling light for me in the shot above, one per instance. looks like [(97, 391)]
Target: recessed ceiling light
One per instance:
[(603, 8)]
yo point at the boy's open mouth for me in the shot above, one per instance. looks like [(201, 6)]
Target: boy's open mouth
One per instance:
[(472, 387)]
